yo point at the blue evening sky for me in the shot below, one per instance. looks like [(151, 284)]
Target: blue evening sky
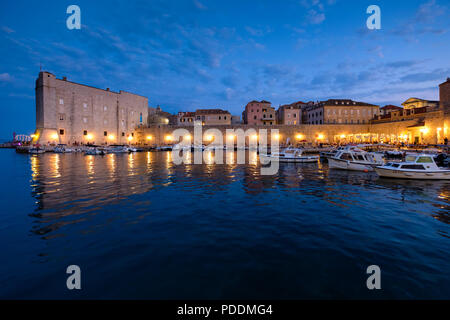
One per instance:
[(193, 54)]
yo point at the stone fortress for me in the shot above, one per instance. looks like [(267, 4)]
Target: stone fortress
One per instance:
[(72, 113)]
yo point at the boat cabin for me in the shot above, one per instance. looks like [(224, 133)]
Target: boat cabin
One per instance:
[(413, 162)]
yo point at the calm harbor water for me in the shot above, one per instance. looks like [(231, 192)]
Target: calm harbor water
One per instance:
[(141, 227)]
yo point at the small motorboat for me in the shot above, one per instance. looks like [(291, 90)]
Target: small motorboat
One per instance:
[(198, 147), (181, 146), (164, 148), (62, 148), (117, 149), (36, 150), (290, 155), (420, 166), (94, 152), (353, 158)]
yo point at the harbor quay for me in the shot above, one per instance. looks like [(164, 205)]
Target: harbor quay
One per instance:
[(431, 129)]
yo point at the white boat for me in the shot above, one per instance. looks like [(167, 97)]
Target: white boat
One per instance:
[(420, 166), (198, 147), (164, 148), (290, 155), (94, 152), (62, 148), (36, 150), (353, 158), (117, 149), (181, 146)]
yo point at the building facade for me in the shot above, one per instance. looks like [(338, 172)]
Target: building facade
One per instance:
[(208, 117), (414, 103), (444, 96), (340, 111), (213, 117), (69, 113), (388, 109), (259, 113), (290, 114)]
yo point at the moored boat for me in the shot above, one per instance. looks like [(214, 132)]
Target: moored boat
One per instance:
[(117, 149), (94, 152), (420, 166), (353, 158), (290, 155), (62, 148)]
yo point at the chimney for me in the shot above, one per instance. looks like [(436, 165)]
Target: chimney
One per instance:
[(64, 78), (107, 89)]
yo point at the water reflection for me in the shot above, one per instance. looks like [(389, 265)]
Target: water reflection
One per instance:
[(72, 188)]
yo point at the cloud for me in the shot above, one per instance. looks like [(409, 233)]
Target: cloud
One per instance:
[(7, 30), (420, 24), (403, 64), (258, 32), (5, 77), (199, 5), (315, 17), (435, 75), (378, 50)]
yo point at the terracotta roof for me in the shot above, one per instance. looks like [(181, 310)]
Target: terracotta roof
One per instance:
[(345, 102), (448, 81), (211, 111), (391, 107), (189, 114)]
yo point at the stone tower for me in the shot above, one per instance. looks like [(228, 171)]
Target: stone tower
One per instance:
[(444, 96)]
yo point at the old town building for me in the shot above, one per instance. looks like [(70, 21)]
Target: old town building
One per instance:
[(340, 111), (69, 112), (413, 103), (208, 117), (259, 113), (388, 109), (290, 114)]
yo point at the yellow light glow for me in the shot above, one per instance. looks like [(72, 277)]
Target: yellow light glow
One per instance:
[(54, 136), (342, 136), (320, 137), (439, 129), (276, 136), (149, 137), (111, 137), (299, 137), (208, 138), (33, 136), (424, 130), (130, 138), (231, 136), (255, 136), (169, 138), (188, 137), (89, 136)]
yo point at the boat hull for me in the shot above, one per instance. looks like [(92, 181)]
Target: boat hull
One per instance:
[(303, 159), (349, 165), (416, 175)]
